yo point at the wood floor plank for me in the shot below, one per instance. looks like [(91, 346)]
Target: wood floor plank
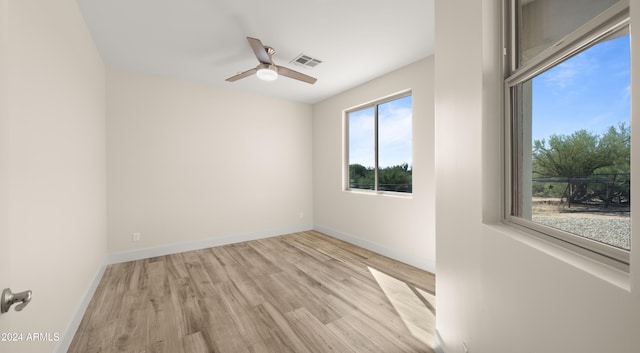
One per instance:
[(315, 335), (303, 292), (282, 331), (127, 335), (195, 343), (161, 337), (354, 333), (276, 291), (212, 265), (242, 314), (221, 329), (271, 345), (251, 292), (310, 298)]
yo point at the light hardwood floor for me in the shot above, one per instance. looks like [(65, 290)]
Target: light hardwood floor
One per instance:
[(302, 292)]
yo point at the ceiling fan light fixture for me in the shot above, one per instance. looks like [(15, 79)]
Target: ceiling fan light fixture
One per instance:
[(267, 74), (267, 70)]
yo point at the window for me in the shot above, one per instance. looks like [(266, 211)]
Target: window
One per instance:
[(568, 124), (379, 145)]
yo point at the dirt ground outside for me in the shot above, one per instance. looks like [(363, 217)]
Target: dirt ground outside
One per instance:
[(610, 225)]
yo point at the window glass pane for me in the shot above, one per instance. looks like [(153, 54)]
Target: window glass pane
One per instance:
[(544, 22), (575, 138), (362, 148), (394, 145)]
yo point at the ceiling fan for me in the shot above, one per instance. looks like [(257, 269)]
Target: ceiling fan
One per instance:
[(267, 70)]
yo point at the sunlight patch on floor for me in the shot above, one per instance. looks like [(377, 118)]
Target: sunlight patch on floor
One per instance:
[(415, 307)]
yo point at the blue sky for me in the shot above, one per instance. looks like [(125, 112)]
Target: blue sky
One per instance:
[(394, 125), (588, 91)]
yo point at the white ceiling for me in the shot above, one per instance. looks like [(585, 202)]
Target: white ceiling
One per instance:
[(205, 40)]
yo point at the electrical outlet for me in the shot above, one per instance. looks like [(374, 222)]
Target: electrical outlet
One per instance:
[(136, 236), (301, 214)]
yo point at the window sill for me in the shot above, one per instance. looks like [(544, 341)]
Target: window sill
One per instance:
[(614, 276), (399, 195)]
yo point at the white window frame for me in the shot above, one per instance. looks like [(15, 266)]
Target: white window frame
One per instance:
[(374, 103), (608, 22)]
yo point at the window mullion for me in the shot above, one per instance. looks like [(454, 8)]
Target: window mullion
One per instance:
[(375, 162)]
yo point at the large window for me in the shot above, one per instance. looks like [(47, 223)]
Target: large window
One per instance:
[(379, 145), (568, 118)]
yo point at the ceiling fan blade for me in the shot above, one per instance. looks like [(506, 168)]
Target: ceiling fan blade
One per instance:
[(259, 51), (242, 75), (296, 75)]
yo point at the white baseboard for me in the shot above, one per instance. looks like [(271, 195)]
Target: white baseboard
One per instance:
[(67, 336), (421, 263), (140, 254)]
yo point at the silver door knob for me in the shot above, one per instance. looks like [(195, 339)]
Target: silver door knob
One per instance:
[(8, 298)]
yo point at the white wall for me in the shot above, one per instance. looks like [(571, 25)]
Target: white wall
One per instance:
[(53, 164), (500, 291), (189, 163), (399, 227)]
